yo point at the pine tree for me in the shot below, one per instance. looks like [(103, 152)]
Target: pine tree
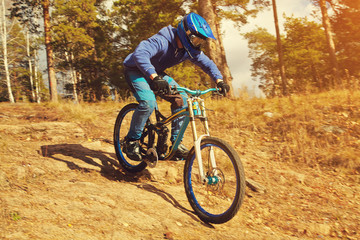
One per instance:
[(28, 12)]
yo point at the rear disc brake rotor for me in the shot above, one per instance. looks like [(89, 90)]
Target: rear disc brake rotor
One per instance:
[(151, 157)]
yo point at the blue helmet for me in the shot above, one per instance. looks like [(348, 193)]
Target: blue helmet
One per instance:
[(193, 30)]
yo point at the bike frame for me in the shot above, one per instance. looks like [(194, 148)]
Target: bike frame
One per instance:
[(195, 110)]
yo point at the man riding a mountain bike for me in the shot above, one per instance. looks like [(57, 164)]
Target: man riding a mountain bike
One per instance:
[(144, 72)]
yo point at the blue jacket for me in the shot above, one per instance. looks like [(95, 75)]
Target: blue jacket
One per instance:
[(160, 52)]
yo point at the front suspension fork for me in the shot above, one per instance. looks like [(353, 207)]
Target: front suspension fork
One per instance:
[(193, 104)]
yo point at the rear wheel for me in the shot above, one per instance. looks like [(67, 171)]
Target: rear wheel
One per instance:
[(219, 198), (122, 126)]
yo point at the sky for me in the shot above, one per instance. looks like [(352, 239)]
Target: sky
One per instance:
[(236, 47)]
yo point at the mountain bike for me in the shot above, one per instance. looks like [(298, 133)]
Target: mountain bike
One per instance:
[(214, 178)]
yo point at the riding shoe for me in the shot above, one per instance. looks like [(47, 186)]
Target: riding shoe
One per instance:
[(132, 150), (182, 152)]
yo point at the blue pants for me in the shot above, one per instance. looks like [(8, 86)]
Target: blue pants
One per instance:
[(140, 87)]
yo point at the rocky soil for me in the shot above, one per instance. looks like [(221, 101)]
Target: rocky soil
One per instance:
[(59, 182)]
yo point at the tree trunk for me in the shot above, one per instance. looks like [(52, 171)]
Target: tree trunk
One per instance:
[(49, 52), (30, 67), (224, 65), (215, 49), (37, 85), (81, 94), (280, 51), (330, 42), (73, 75), (4, 43)]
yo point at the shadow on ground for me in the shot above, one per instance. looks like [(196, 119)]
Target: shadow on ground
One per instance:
[(108, 165), (109, 168)]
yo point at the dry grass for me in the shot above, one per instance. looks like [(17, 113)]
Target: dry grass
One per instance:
[(74, 112), (97, 119), (317, 129)]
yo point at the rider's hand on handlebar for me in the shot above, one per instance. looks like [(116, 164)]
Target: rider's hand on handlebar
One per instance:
[(160, 85), (224, 88)]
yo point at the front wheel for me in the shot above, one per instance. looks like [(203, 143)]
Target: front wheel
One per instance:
[(219, 197), (122, 126)]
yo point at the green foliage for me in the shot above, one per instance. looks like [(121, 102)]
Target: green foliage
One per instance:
[(27, 12), (16, 54), (140, 19), (74, 22), (134, 21), (346, 26), (74, 41), (264, 60), (188, 75), (100, 38), (304, 55), (305, 51), (93, 40), (238, 11), (15, 216)]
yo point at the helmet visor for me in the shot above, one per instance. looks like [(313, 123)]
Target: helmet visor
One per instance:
[(196, 41)]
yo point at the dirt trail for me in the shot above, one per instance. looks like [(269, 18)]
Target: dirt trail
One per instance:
[(56, 183)]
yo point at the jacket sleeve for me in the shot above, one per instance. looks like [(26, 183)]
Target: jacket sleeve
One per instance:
[(146, 50), (207, 65)]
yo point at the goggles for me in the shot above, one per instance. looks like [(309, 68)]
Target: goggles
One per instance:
[(196, 41)]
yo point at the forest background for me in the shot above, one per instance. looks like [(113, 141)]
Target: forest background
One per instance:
[(86, 42), (303, 148)]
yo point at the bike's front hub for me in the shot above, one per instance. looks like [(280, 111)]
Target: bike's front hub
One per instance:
[(215, 179), (212, 180)]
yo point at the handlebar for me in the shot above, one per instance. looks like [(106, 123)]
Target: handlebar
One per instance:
[(194, 93)]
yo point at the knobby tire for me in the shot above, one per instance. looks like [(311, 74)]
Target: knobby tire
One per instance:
[(216, 203)]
